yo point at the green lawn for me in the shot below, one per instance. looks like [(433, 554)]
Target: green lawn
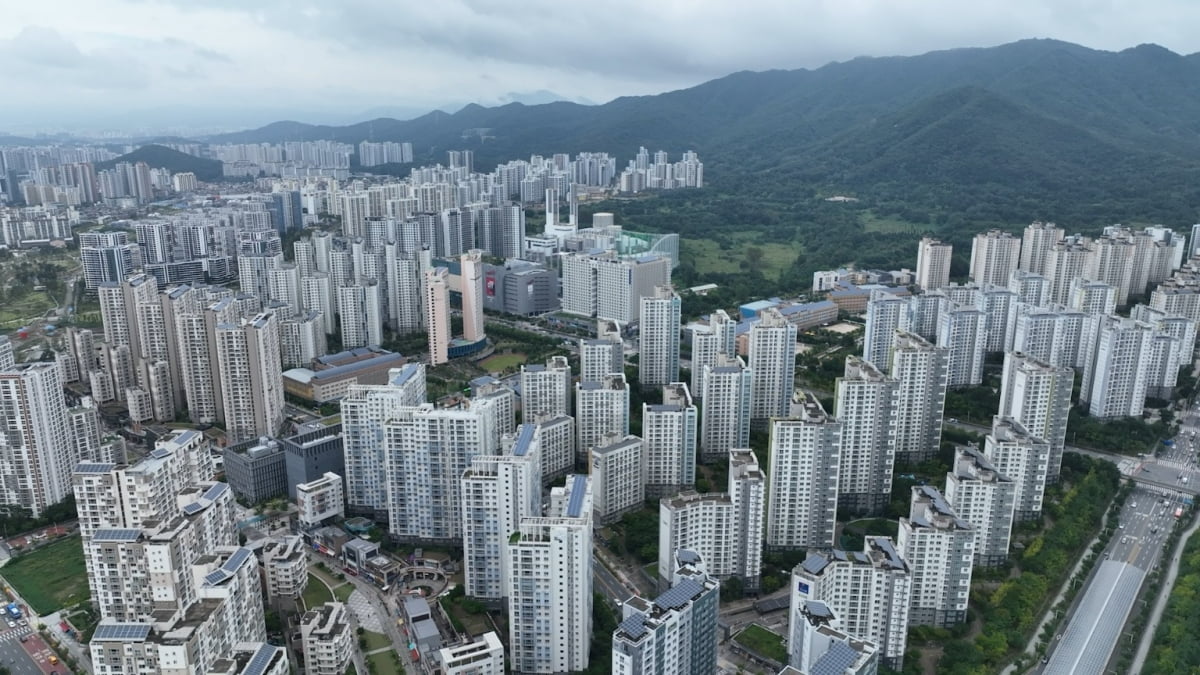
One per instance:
[(376, 640), (384, 662), (763, 642), (501, 362), (316, 592), (709, 258), (51, 577), (343, 592)]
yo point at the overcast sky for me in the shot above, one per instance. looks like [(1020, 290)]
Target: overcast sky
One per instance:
[(98, 63)]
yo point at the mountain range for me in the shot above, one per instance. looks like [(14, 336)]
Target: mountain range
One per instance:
[(162, 157), (1031, 120)]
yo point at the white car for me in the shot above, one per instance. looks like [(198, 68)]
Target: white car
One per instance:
[(12, 624)]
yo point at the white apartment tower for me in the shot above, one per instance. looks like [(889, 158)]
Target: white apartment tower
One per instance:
[(994, 257), (546, 390), (549, 584), (497, 492), (866, 403), (710, 342), (933, 264), (805, 461), (1066, 260), (618, 470), (725, 422), (1038, 396), (675, 634), (886, 314), (1092, 297), (658, 338), (471, 263), (920, 370), (724, 528), (1029, 288), (870, 591), (601, 408), (962, 333), (1024, 458), (603, 355), (249, 363), (940, 548), (670, 432), (436, 289), (365, 410), (606, 286), (817, 644), (427, 451), (1114, 384), (985, 498), (772, 359), (1036, 242), (37, 452)]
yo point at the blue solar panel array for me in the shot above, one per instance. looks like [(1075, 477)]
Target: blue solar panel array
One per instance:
[(192, 508), (634, 626), (575, 505), (261, 661), (159, 453), (95, 467), (836, 661), (117, 535), (235, 561), (524, 439), (121, 631), (679, 595), (214, 578), (215, 491)]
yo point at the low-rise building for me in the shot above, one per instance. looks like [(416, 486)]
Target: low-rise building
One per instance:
[(332, 375), (484, 656), (285, 563), (328, 639), (320, 500)]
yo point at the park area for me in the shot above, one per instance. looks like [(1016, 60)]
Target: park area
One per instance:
[(500, 363), (51, 577)]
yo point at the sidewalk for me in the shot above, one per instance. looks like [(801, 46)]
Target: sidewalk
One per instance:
[(1160, 605)]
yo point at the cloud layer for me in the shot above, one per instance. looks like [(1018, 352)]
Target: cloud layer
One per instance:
[(177, 62)]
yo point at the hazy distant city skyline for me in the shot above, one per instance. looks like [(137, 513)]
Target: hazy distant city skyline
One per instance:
[(125, 63)]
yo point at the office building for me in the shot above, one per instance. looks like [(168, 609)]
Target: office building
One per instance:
[(962, 333), (865, 402), (549, 584), (817, 644), (676, 633), (483, 656), (1038, 396), (320, 501), (427, 451), (38, 449), (520, 287), (497, 492), (601, 408), (618, 470), (725, 422), (365, 411), (939, 548), (805, 461), (870, 591), (985, 498), (772, 359), (1036, 242), (670, 432), (255, 469), (1024, 459), (312, 453), (920, 371), (546, 389), (471, 288), (658, 338), (933, 264), (724, 528), (328, 639), (994, 257)]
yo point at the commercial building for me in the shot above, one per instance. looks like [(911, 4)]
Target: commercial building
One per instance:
[(985, 498), (865, 402), (312, 453), (332, 375), (319, 501), (549, 584), (670, 432), (520, 287), (436, 301), (805, 461), (256, 470), (940, 549), (870, 591), (676, 633), (484, 656)]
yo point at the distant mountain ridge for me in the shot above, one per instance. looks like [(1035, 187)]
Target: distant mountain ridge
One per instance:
[(162, 157), (1031, 112)]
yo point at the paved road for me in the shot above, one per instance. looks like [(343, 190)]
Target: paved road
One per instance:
[(608, 584), (13, 654)]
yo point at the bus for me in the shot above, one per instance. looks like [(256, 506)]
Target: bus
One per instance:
[(1178, 511)]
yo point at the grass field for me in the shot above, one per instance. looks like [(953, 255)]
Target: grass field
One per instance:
[(316, 592), (342, 593), (51, 577), (376, 640), (21, 309), (709, 258), (384, 662), (501, 362), (763, 642)]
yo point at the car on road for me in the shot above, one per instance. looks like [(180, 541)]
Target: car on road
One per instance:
[(12, 624), (1134, 505)]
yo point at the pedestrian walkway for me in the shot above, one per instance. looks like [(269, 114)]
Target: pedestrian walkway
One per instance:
[(364, 611)]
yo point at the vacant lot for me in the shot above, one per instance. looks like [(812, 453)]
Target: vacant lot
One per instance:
[(50, 578)]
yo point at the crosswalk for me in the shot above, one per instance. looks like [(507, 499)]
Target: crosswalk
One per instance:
[(1176, 464), (16, 633)]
